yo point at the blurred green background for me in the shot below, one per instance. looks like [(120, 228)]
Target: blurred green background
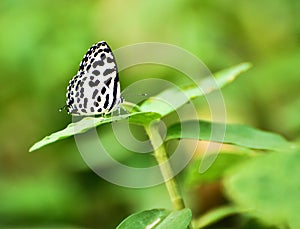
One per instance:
[(42, 43)]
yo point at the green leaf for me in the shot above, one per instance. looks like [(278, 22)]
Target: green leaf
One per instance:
[(269, 185), (158, 219), (181, 96), (143, 219), (85, 124), (143, 118), (222, 163), (151, 109), (236, 134), (216, 215), (177, 219)]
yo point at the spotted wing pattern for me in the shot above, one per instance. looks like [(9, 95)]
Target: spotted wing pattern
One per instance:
[(95, 89)]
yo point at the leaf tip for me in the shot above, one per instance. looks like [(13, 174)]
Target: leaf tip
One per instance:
[(32, 148)]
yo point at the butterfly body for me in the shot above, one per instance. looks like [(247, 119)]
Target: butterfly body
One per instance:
[(95, 89)]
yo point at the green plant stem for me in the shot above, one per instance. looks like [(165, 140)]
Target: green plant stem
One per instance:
[(165, 167), (162, 159)]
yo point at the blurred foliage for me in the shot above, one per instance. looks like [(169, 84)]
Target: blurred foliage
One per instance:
[(42, 43), (260, 184)]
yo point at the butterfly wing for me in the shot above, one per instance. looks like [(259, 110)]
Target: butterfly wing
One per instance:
[(95, 89)]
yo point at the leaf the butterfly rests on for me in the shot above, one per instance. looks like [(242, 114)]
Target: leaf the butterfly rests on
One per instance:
[(95, 89)]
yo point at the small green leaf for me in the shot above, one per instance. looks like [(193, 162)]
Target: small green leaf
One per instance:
[(179, 97), (236, 134), (158, 219), (177, 219), (143, 219), (88, 123), (269, 185), (216, 215)]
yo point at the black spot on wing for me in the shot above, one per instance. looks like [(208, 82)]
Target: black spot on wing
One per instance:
[(116, 82), (95, 93), (98, 63), (106, 101), (96, 72), (88, 67), (94, 84), (77, 85), (70, 102), (101, 43), (110, 60), (89, 52), (108, 71), (81, 93), (85, 102), (103, 90), (108, 81), (107, 50), (102, 56)]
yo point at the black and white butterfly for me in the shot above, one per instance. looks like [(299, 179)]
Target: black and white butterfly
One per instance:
[(95, 89)]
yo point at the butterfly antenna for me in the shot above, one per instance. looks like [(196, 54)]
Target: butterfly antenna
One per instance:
[(63, 108)]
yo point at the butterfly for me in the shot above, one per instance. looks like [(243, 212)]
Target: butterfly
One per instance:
[(95, 89)]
